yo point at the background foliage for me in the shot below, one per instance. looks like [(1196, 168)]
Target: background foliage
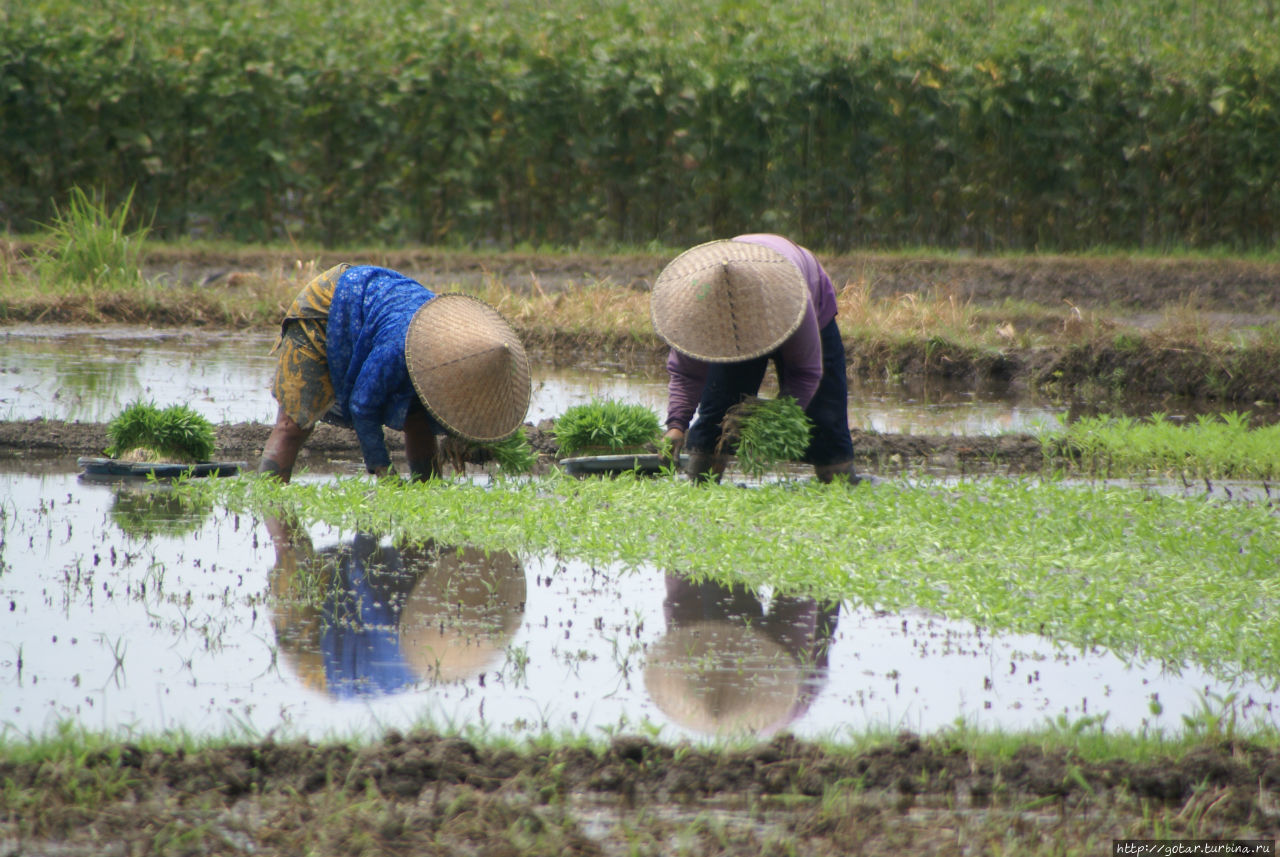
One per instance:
[(970, 124)]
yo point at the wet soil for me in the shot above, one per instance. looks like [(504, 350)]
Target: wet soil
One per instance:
[(30, 442), (428, 794)]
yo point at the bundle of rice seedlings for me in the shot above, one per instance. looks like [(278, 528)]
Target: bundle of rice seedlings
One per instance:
[(604, 426), (514, 455), (144, 432), (765, 432)]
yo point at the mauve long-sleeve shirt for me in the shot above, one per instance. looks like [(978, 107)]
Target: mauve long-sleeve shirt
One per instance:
[(799, 355), (365, 335)]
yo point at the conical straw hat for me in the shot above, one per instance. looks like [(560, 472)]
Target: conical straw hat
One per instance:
[(725, 301), (469, 367)]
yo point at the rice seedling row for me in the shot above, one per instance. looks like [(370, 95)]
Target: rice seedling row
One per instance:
[(1144, 574)]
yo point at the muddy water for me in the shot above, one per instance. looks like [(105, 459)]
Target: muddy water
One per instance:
[(124, 609), (89, 374)]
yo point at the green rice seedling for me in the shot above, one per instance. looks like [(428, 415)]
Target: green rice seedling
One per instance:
[(765, 432), (145, 432), (1125, 569), (87, 245), (605, 426), (1216, 447), (514, 455)]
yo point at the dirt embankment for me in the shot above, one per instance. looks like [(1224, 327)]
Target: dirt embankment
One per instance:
[(1135, 284), (1111, 325), (425, 794), (39, 440)]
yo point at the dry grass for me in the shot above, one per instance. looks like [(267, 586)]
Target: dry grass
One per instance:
[(574, 309), (942, 313), (260, 288), (1187, 323)]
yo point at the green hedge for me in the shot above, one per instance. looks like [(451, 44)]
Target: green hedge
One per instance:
[(605, 123)]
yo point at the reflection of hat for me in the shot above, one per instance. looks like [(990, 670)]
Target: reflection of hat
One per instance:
[(723, 678), (725, 301), (469, 367), (460, 616)]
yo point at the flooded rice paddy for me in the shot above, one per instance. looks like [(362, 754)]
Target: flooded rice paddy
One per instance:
[(90, 373), (125, 608)]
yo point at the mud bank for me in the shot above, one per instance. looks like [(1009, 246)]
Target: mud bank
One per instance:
[(40, 440), (428, 794)]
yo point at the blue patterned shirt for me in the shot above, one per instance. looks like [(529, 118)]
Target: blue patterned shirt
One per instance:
[(365, 337)]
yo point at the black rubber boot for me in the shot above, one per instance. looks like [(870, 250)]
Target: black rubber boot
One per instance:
[(843, 471), (704, 467)]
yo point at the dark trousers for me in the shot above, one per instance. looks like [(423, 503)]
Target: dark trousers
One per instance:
[(729, 383)]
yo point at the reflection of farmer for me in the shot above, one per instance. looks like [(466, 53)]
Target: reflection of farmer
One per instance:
[(367, 347), (727, 308), (363, 618), (726, 666)]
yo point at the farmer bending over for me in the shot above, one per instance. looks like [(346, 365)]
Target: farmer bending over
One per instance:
[(367, 347), (727, 308)]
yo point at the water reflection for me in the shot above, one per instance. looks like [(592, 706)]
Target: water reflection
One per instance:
[(726, 664), (147, 509), (218, 628), (362, 618)]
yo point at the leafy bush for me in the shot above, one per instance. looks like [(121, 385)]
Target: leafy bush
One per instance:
[(605, 425), (1018, 125), (145, 432)]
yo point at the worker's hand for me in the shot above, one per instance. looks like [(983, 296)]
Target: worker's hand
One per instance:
[(672, 443)]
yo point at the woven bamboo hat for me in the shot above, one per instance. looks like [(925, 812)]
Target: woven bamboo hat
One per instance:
[(469, 367), (726, 301)]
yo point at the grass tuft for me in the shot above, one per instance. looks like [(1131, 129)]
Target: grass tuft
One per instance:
[(87, 245)]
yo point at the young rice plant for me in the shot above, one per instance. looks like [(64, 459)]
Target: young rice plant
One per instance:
[(514, 455), (605, 426), (766, 432), (1143, 574), (145, 432)]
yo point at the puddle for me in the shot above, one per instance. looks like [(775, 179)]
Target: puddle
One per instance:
[(126, 609)]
